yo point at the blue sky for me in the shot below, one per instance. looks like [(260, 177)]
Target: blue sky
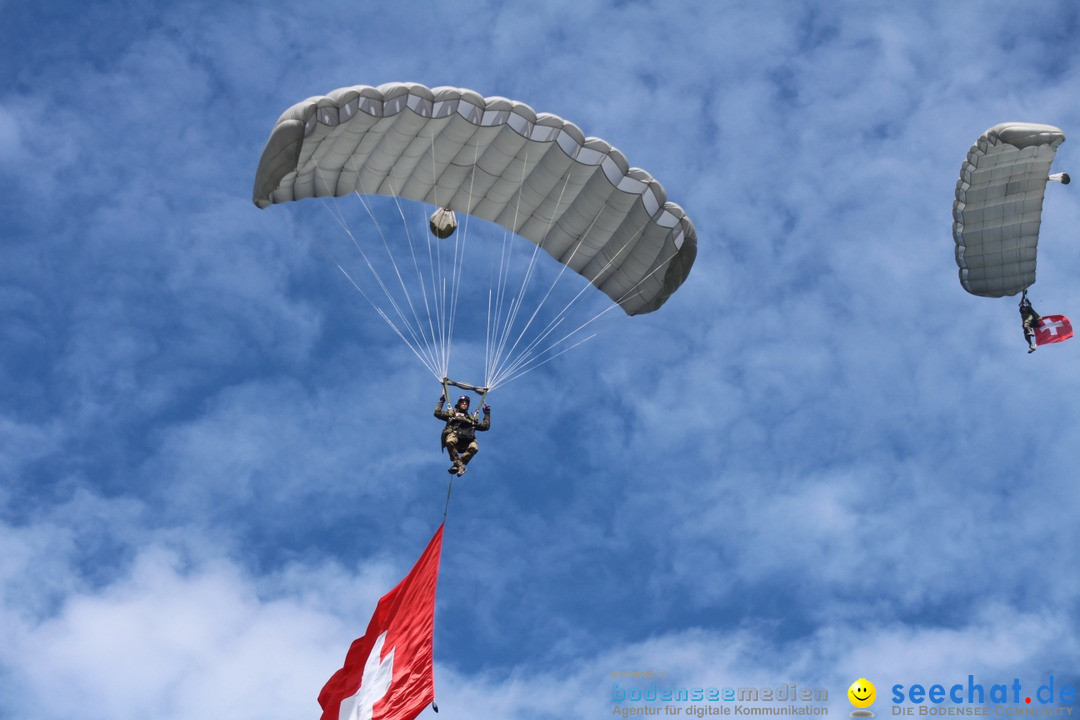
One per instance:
[(821, 460)]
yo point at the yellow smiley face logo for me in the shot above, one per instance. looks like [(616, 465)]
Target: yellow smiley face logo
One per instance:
[(862, 693)]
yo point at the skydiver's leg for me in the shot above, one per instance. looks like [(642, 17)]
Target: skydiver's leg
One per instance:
[(451, 442), (470, 450)]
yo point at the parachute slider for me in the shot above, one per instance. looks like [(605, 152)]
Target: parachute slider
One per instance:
[(443, 223), (1062, 178)]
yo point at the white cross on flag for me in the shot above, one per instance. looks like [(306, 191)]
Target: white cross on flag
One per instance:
[(1052, 329), (387, 673)]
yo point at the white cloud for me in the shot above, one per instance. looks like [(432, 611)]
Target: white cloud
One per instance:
[(178, 631)]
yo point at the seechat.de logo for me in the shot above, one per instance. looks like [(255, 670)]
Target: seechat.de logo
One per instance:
[(862, 694)]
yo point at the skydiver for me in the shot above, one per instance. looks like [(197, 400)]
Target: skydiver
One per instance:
[(1030, 320), (459, 434)]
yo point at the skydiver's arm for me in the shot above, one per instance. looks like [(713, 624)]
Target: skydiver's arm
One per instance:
[(485, 424)]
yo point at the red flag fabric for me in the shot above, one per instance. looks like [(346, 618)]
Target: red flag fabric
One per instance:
[(387, 673), (1052, 329)]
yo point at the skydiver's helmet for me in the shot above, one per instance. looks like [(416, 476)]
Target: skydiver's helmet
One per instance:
[(463, 399)]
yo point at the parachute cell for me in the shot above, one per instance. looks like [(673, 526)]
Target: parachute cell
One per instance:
[(535, 174), (998, 208)]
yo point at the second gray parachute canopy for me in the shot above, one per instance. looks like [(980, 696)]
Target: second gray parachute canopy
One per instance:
[(997, 212)]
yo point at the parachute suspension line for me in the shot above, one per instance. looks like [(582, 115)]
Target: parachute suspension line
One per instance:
[(438, 287), (554, 322), (436, 342), (419, 272), (526, 364), (500, 335), (413, 344), (438, 291), (430, 342), (510, 376), (512, 316), (492, 368), (499, 323), (528, 359), (501, 284), (437, 301), (527, 356), (424, 361), (417, 331), (416, 344), (457, 264), (589, 322)]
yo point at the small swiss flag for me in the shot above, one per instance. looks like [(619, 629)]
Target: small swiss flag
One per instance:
[(1052, 329), (387, 674)]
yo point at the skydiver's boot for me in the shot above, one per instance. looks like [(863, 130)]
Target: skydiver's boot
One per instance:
[(1031, 348), (469, 452), (455, 460)]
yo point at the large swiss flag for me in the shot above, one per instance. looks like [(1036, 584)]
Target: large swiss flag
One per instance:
[(387, 673), (1052, 329)]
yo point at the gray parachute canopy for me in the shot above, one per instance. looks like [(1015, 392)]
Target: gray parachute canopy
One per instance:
[(535, 174), (998, 208)]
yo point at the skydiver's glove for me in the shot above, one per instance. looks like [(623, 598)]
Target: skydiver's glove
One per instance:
[(442, 398), (487, 409)]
